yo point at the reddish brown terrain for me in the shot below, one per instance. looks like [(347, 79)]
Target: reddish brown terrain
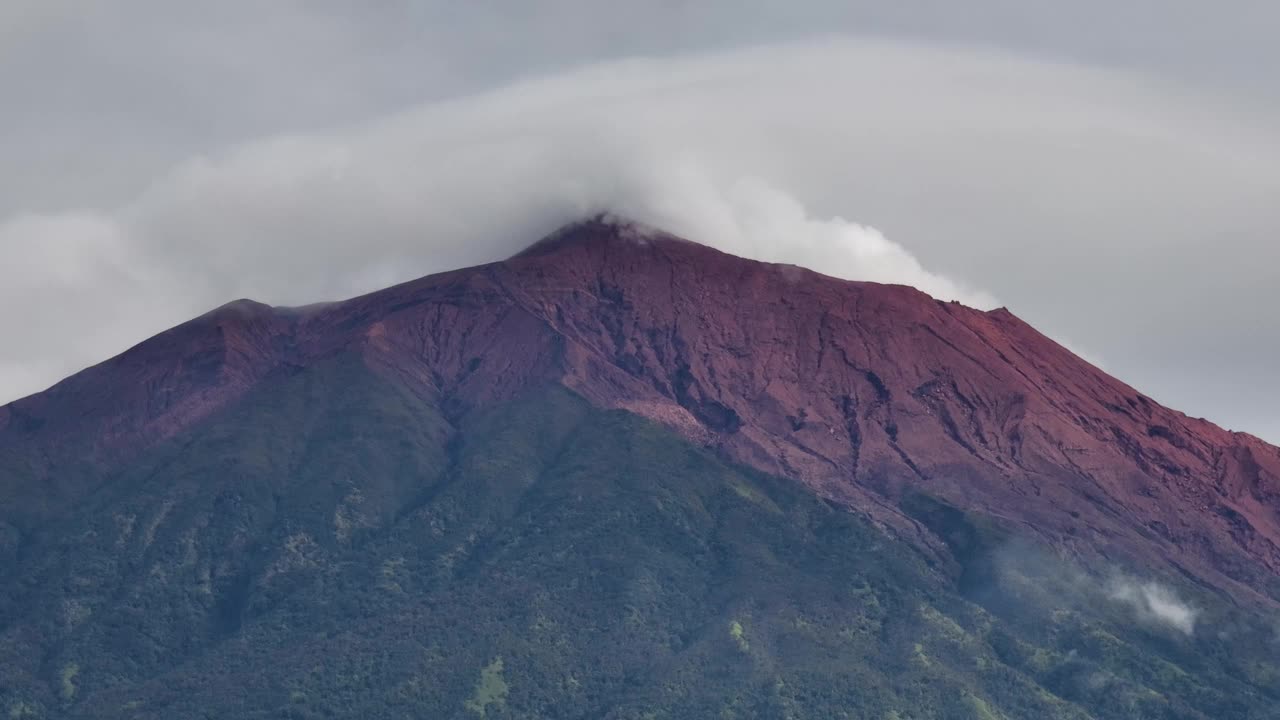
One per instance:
[(859, 390)]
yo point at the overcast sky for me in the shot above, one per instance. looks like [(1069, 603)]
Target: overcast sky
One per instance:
[(1108, 170)]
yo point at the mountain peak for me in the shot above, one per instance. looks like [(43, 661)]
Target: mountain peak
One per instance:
[(864, 393), (603, 227), (243, 307)]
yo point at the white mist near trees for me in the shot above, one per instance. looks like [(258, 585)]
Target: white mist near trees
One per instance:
[(1154, 603)]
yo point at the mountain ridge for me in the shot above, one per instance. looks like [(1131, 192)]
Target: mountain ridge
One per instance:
[(632, 478), (860, 391)]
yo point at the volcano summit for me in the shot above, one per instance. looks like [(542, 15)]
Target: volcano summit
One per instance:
[(624, 475)]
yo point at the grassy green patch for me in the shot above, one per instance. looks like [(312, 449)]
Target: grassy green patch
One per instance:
[(491, 689), (739, 636), (67, 681)]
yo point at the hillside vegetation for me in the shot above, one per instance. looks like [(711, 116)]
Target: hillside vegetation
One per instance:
[(334, 546)]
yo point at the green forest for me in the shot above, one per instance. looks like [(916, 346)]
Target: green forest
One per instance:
[(336, 547)]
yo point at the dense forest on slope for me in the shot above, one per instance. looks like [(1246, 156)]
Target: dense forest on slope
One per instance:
[(336, 546)]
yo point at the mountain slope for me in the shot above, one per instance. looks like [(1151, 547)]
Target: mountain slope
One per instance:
[(553, 560), (627, 476), (858, 390)]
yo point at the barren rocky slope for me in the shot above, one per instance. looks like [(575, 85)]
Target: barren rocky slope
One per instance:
[(858, 390)]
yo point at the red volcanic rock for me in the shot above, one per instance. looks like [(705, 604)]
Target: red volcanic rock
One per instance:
[(168, 382), (859, 390)]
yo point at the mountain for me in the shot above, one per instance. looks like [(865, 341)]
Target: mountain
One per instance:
[(624, 475)]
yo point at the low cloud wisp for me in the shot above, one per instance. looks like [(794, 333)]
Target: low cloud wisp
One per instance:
[(1153, 603)]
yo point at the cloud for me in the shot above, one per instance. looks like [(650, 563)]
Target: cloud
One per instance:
[(1029, 575), (760, 152), (20, 18), (1154, 603)]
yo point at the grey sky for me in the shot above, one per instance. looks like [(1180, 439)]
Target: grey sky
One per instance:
[(1106, 169)]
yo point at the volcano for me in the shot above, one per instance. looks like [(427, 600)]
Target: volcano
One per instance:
[(625, 475)]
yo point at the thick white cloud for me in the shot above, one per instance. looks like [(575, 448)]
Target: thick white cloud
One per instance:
[(759, 152)]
